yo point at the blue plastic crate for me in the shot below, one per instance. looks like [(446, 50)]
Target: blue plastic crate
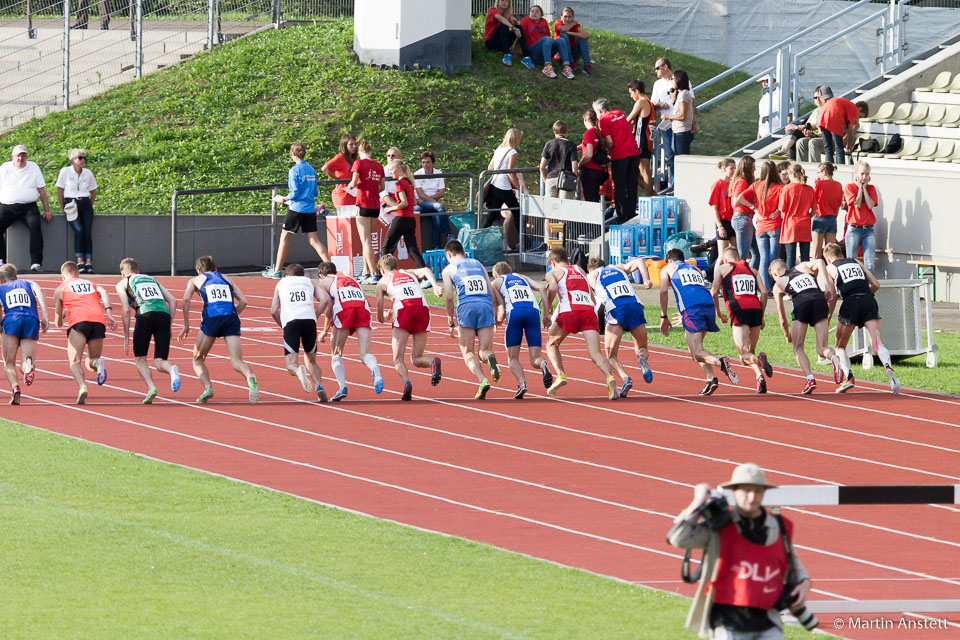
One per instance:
[(436, 259), (702, 262), (656, 242), (670, 211), (643, 241), (623, 240)]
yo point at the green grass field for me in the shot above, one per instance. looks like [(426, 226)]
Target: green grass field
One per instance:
[(228, 116)]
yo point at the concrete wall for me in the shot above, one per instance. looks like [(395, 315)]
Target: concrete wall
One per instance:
[(915, 219), (409, 33)]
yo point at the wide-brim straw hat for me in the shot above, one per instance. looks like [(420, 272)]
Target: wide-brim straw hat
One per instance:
[(748, 473)]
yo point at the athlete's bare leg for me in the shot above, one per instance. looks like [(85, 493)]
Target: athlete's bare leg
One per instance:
[(798, 333), (94, 351), (290, 360), (10, 346), (743, 340), (611, 342), (76, 343), (200, 351), (144, 370), (235, 349), (536, 357), (310, 360), (554, 338), (485, 342), (822, 330), (399, 342), (467, 338), (513, 361), (704, 358), (417, 347)]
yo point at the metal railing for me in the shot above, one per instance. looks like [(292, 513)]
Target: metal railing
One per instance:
[(546, 221), (486, 173)]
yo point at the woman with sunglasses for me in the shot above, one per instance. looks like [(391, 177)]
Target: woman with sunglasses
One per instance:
[(76, 190)]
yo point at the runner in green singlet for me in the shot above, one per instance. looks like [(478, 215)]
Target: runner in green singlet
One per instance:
[(155, 308)]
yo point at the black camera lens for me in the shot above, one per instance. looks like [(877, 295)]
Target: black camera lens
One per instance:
[(805, 618)]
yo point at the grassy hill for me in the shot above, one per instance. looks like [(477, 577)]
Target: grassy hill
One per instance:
[(229, 116)]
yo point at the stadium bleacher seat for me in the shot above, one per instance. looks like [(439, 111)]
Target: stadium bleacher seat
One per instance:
[(942, 81), (917, 115), (953, 157), (883, 113), (954, 86), (928, 148), (945, 149), (899, 114), (952, 119), (936, 115)]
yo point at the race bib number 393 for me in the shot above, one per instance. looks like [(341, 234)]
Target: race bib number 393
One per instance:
[(475, 285)]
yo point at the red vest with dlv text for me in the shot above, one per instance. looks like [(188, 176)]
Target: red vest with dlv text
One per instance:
[(748, 574)]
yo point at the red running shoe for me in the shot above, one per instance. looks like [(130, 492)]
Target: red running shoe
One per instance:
[(809, 387)]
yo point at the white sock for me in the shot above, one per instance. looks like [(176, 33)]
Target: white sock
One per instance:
[(810, 377), (883, 354), (371, 361), (844, 361), (339, 370)]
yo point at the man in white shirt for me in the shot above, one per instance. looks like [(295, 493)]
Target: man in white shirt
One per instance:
[(664, 101), (429, 192), (21, 182)]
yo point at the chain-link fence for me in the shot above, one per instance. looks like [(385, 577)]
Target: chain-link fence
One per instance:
[(520, 7)]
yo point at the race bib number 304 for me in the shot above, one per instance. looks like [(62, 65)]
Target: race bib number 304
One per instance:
[(744, 285), (520, 294)]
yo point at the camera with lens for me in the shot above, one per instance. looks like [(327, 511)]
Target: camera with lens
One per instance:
[(786, 601), (715, 511)]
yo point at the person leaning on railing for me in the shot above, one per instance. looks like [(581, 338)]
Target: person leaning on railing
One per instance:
[(21, 183), (429, 192), (592, 175)]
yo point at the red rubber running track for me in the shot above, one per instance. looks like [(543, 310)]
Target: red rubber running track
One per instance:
[(576, 479)]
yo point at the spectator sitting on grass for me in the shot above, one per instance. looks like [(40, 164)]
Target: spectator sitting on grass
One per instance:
[(501, 29), (542, 47), (566, 28)]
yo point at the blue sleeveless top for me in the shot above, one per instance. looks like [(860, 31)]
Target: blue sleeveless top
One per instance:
[(689, 286), (470, 279), (17, 298), (217, 296)]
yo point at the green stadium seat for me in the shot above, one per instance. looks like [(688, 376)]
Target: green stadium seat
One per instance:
[(942, 81), (917, 115), (885, 111), (936, 115), (952, 118), (927, 150), (902, 112), (944, 150)]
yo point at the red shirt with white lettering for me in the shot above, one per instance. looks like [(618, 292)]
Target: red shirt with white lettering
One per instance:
[(368, 189), (615, 125)]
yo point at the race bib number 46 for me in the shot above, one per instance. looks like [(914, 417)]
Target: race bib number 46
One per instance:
[(475, 285), (219, 293), (17, 298), (408, 292), (690, 277), (744, 285)]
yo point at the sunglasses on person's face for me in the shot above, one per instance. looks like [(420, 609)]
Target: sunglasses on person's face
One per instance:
[(81, 157)]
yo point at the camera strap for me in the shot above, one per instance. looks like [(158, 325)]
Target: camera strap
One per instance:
[(685, 568), (791, 570)]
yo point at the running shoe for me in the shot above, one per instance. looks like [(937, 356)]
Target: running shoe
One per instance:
[(558, 382), (321, 394), (527, 62), (728, 370), (377, 382), (253, 391), (894, 383), (809, 386), (35, 267), (15, 399), (482, 390), (271, 273), (567, 72), (761, 385), (175, 378), (521, 391), (425, 284), (710, 387), (507, 59), (547, 376), (205, 396), (548, 71), (339, 395), (588, 69), (837, 369), (767, 367), (407, 391), (82, 396), (101, 371), (304, 378), (645, 368), (846, 386), (435, 375), (612, 388), (29, 373), (626, 386), (150, 396), (494, 369)]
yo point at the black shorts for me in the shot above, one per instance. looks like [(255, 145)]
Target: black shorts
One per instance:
[(731, 234), (296, 332), (295, 221), (645, 153), (156, 325), (90, 330), (811, 312), (363, 212), (858, 310), (747, 317)]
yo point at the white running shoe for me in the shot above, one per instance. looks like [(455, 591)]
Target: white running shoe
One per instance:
[(304, 378)]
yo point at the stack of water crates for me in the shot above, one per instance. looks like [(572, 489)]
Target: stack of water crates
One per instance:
[(436, 259), (658, 221)]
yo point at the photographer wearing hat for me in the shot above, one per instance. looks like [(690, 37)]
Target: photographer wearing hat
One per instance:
[(749, 571)]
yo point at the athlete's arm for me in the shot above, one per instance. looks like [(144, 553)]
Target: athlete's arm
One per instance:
[(185, 305), (638, 264), (427, 272), (322, 297), (170, 300), (107, 309), (550, 285), (58, 309), (381, 291), (781, 311), (664, 299), (124, 313), (275, 306), (764, 293), (715, 292), (240, 300), (448, 296), (498, 304), (42, 304)]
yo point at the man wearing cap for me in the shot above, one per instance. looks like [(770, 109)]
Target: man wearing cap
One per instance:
[(745, 563), (21, 182)]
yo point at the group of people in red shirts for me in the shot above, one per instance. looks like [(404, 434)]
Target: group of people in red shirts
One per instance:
[(567, 44)]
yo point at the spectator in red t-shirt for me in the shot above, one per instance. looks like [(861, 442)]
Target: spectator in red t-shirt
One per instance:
[(501, 29), (861, 198), (720, 201), (829, 197), (839, 121), (624, 158), (368, 180), (340, 167), (796, 204), (744, 201), (768, 219), (541, 46), (566, 28), (592, 175), (404, 224)]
